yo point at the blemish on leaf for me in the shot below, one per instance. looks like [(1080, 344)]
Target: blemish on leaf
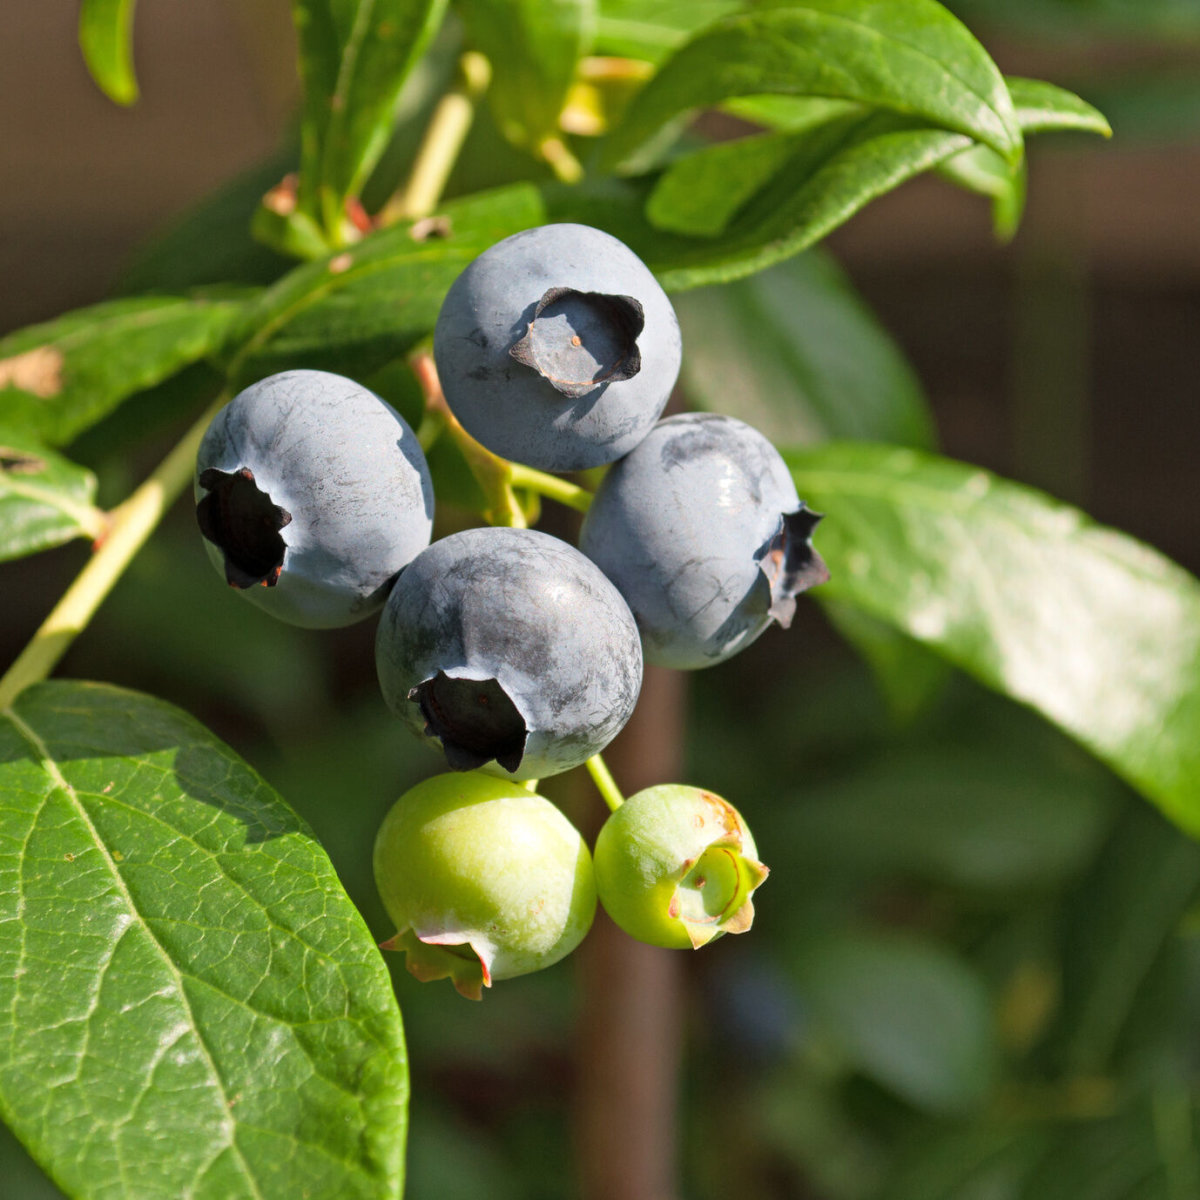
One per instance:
[(17, 462), (340, 263), (430, 227), (38, 371)]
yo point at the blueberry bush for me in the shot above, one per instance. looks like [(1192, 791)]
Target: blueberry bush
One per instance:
[(960, 991)]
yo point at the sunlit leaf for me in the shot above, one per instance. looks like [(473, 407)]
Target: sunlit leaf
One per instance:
[(106, 39), (1095, 631), (354, 58), (913, 58), (652, 29), (45, 500), (191, 1005), (61, 377)]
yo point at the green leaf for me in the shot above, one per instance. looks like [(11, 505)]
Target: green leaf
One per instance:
[(981, 170), (975, 1161), (106, 39), (913, 58), (795, 352), (45, 500), (1120, 923), (533, 46), (358, 309), (835, 170), (354, 58), (989, 816), (906, 1012), (1097, 632), (59, 378), (909, 676), (699, 193), (191, 1005), (1042, 107), (1075, 19), (652, 29), (364, 307)]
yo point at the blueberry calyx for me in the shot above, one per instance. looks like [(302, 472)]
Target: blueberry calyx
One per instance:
[(243, 523), (790, 562), (579, 340), (474, 719)]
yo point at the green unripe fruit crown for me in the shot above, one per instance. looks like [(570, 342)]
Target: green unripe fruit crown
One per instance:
[(484, 880), (675, 866)]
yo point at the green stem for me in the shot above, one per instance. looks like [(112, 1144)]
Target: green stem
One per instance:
[(132, 523), (438, 152), (606, 785), (566, 167), (430, 429), (565, 492)]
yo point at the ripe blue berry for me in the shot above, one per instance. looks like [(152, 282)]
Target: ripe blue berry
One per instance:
[(483, 879), (557, 348), (312, 493), (702, 532), (511, 650)]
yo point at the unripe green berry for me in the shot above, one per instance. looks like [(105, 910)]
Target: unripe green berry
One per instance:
[(675, 866), (484, 880)]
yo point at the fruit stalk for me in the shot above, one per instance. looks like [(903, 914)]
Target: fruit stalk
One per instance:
[(448, 128), (606, 785), (131, 523)]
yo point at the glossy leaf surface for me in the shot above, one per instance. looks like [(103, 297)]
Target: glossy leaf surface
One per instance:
[(59, 378), (1097, 632), (191, 1005), (912, 58), (651, 29), (354, 58), (45, 499), (106, 39)]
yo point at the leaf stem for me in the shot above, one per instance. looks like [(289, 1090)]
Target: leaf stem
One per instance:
[(606, 785), (132, 522), (435, 158), (558, 157), (562, 490)]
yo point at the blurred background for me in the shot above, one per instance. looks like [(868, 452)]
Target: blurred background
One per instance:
[(975, 971)]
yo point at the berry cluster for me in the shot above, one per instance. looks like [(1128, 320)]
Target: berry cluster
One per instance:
[(513, 653)]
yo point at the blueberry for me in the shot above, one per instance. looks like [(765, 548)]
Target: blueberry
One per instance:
[(312, 493), (511, 650), (557, 348), (702, 532)]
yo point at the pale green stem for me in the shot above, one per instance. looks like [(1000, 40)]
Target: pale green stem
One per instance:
[(430, 429), (606, 785), (562, 490), (438, 152), (566, 167), (132, 522)]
